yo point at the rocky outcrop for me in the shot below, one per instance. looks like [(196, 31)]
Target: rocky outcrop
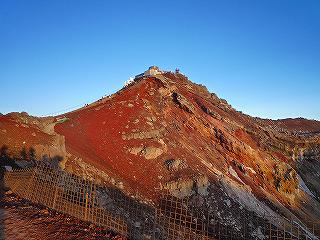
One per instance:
[(175, 164), (285, 178), (182, 102), (152, 134), (186, 187), (146, 152)]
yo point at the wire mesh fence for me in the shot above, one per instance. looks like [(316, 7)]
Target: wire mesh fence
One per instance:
[(169, 218), (183, 220)]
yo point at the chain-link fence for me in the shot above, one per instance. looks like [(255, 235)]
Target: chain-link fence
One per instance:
[(169, 218)]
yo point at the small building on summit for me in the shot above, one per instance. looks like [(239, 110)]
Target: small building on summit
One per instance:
[(152, 71)]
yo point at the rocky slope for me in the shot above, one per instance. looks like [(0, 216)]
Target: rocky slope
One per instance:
[(164, 133)]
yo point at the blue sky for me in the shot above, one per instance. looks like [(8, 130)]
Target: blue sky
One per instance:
[(262, 56)]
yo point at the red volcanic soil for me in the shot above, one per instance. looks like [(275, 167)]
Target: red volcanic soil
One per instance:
[(16, 135), (245, 137), (95, 134)]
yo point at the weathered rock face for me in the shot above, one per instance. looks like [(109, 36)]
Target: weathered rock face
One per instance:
[(186, 187), (309, 168), (22, 134), (146, 152), (165, 133), (175, 164), (152, 134), (285, 178), (182, 102)]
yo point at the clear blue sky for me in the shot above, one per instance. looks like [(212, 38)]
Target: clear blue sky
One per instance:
[(262, 56)]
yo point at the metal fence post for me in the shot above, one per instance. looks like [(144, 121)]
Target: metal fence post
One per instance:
[(86, 207), (284, 230), (313, 228), (55, 197)]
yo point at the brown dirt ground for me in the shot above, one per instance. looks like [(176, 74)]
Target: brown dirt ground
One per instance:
[(20, 219)]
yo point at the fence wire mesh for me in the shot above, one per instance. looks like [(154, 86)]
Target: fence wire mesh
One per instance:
[(169, 218)]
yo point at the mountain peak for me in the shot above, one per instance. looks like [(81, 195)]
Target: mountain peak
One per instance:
[(163, 132)]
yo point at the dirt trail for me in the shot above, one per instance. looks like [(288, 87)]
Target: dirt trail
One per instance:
[(20, 220), (16, 226)]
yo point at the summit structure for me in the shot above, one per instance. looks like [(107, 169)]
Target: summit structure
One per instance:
[(152, 71)]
